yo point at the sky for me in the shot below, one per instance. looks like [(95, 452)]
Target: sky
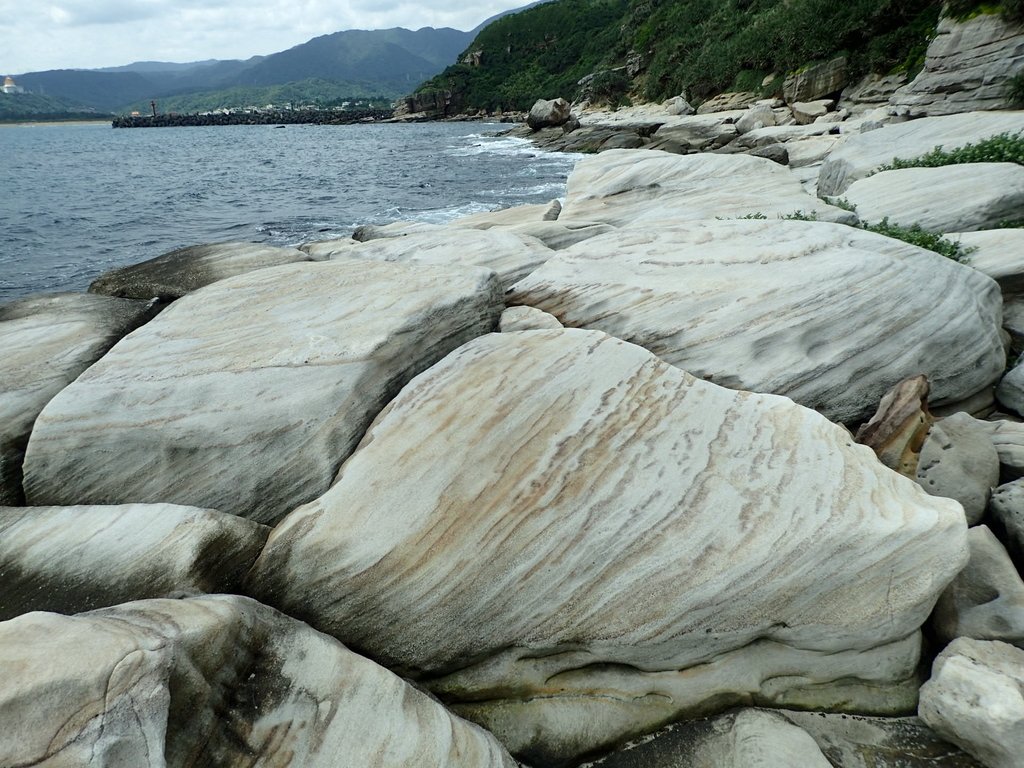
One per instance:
[(86, 34)]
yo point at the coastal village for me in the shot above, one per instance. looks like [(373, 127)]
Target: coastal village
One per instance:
[(716, 461)]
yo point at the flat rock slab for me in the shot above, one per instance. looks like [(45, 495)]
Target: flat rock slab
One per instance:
[(858, 155), (639, 189), (47, 341), (172, 275), (213, 681), (573, 542), (74, 559), (999, 253), (247, 396), (830, 316), (975, 698), (951, 198), (511, 256)]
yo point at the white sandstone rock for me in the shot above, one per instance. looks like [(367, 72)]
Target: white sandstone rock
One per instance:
[(758, 116), (172, 275), (74, 559), (986, 599), (526, 319), (967, 67), (768, 306), (1011, 389), (701, 132), (999, 253), (322, 250), (572, 542), (807, 112), (218, 681), (1007, 508), (247, 395), (548, 112), (858, 155), (512, 256), (46, 342), (640, 189), (510, 217), (975, 698), (950, 198)]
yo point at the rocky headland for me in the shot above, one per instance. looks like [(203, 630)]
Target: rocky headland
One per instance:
[(709, 463)]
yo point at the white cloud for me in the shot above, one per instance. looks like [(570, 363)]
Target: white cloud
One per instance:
[(100, 33)]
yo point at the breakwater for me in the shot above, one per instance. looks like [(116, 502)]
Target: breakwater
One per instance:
[(268, 117)]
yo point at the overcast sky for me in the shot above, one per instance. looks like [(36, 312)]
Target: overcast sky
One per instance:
[(63, 34)]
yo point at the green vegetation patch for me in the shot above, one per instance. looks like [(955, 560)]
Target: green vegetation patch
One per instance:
[(917, 236), (1003, 148)]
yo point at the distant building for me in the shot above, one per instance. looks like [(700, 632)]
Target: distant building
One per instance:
[(10, 86)]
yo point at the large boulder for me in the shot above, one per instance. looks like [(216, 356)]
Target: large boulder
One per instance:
[(999, 253), (546, 113), (700, 132), (758, 116), (213, 681), (871, 92), (74, 559), (768, 306), (246, 396), (512, 256), (572, 542), (958, 460), (815, 81), (47, 341), (967, 68), (975, 698), (639, 189), (1006, 508), (950, 198), (986, 599), (860, 155), (176, 273)]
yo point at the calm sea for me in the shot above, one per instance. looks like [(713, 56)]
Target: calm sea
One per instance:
[(78, 200)]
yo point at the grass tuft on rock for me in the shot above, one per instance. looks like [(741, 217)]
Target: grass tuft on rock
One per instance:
[(1003, 148)]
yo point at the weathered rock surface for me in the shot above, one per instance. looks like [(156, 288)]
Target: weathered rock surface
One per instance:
[(749, 738), (322, 250), (74, 559), (951, 198), (557, 235), (966, 68), (640, 189), (807, 112), (758, 116), (853, 741), (548, 112), (816, 81), (512, 256), (247, 397), (213, 681), (1007, 508), (47, 341), (999, 253), (757, 305), (958, 461), (858, 155), (897, 431), (368, 232), (986, 599), (573, 542), (526, 319), (728, 102), (677, 105), (1008, 439), (172, 275), (871, 92), (975, 698), (510, 217), (788, 738), (1011, 389), (701, 132)]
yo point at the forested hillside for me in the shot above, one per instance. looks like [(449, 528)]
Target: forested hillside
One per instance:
[(697, 47)]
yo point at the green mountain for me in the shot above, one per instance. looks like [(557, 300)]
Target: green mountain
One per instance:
[(355, 63), (17, 107), (700, 47)]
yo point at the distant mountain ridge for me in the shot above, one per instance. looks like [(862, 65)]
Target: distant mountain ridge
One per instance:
[(385, 63)]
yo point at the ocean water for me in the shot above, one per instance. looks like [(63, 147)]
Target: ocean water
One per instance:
[(78, 200)]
